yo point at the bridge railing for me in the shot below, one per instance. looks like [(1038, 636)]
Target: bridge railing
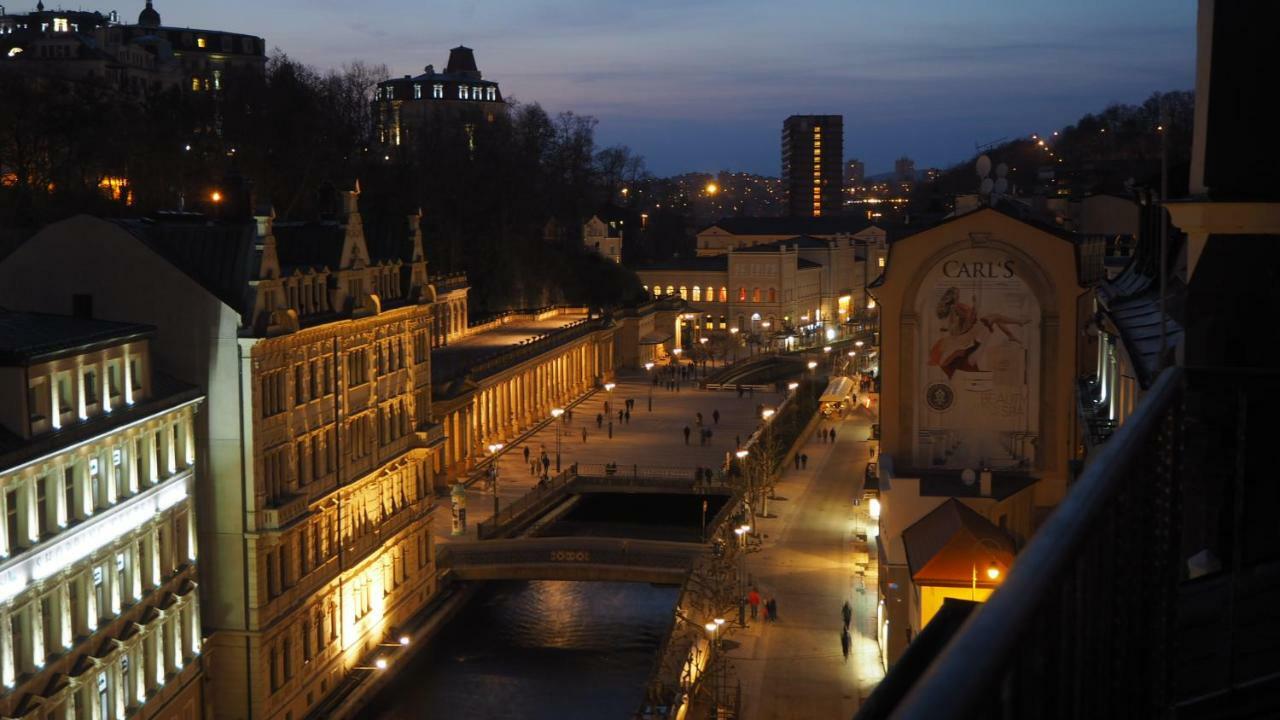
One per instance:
[(648, 475), (572, 550), (541, 494)]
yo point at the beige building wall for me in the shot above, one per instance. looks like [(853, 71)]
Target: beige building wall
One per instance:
[(1047, 265)]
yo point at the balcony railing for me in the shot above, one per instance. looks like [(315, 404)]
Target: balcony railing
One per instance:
[(1082, 625)]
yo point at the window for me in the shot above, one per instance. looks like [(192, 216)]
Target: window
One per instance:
[(202, 43), (44, 510), (463, 92), (113, 379), (60, 25), (357, 368), (880, 261), (64, 394), (135, 374), (69, 492), (671, 290), (195, 84), (299, 385), (684, 293), (742, 294), (437, 91), (417, 91), (773, 295), (697, 294), (755, 295), (724, 294), (90, 387)]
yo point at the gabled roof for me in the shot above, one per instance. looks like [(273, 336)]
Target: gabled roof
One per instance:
[(827, 225), (311, 244), (944, 546), (218, 256)]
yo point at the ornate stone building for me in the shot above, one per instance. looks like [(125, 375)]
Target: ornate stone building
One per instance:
[(314, 343), (99, 616), (403, 106)]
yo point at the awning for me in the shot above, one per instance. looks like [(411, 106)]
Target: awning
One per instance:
[(655, 338)]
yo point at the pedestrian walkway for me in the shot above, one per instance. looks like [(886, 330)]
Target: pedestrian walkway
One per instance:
[(812, 561), (651, 438)]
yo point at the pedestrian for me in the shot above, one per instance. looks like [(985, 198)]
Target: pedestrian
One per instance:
[(584, 435), (715, 416), (686, 434), (845, 641), (628, 417), (526, 453), (620, 417), (833, 435), (773, 609), (847, 613), (599, 420), (610, 428), (753, 599), (804, 461), (546, 463)]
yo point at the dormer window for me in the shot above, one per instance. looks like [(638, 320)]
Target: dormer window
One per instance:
[(437, 91), (60, 25), (417, 91), (201, 43), (463, 92), (491, 94)]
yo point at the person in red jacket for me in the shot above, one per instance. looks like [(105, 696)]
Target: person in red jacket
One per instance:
[(753, 599)]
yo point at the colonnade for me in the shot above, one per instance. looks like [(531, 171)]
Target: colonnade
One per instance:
[(508, 403), (450, 321)]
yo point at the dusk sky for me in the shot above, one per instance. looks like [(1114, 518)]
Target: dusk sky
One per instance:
[(704, 85)]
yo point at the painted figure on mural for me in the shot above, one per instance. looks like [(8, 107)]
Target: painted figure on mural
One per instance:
[(969, 335)]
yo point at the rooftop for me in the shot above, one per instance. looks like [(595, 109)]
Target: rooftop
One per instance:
[(29, 337), (941, 545), (826, 225)]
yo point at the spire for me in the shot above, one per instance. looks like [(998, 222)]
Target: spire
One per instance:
[(40, 6)]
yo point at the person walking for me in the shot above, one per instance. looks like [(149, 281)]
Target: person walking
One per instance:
[(833, 435), (628, 417), (584, 435), (620, 412), (546, 463), (846, 612), (753, 599), (845, 642), (599, 420), (773, 609), (686, 434), (804, 461), (715, 416), (526, 453)]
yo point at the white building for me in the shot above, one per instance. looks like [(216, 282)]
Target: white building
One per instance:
[(602, 234), (99, 617)]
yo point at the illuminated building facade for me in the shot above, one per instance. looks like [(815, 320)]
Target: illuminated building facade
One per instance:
[(314, 344), (99, 615), (602, 233), (134, 59), (403, 106), (812, 160)]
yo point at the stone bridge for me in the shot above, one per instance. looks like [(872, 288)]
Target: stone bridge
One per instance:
[(572, 558)]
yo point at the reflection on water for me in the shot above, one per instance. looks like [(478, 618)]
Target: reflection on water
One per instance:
[(534, 650)]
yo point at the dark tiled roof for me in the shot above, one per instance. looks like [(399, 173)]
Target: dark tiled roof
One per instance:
[(312, 244), (829, 225), (219, 256), (30, 336), (712, 263), (803, 264), (387, 237)]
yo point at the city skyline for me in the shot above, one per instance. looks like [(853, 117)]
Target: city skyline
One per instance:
[(664, 79)]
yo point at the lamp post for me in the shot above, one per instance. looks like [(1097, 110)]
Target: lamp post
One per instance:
[(648, 368), (992, 571), (608, 387), (493, 476), (766, 459), (556, 413)]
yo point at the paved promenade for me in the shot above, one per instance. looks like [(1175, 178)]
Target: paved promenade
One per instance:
[(809, 562), (650, 439)]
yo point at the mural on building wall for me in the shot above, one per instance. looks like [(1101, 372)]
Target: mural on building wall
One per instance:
[(978, 364)]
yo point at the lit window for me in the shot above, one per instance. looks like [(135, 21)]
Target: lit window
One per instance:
[(477, 93), (462, 92), (684, 293), (60, 25), (491, 94), (697, 293), (195, 84), (437, 91), (417, 91), (880, 261), (201, 43)]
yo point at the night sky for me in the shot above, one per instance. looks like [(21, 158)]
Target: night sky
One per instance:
[(703, 85)]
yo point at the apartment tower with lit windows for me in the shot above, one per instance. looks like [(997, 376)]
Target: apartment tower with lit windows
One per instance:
[(99, 613), (812, 158)]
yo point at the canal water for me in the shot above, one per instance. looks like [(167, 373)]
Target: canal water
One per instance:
[(547, 650), (537, 651)]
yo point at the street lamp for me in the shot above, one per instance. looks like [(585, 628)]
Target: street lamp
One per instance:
[(992, 571), (493, 476), (648, 368), (556, 413)]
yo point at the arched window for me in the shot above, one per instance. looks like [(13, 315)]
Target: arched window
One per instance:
[(671, 290), (742, 294), (741, 321), (697, 293), (684, 293), (657, 291), (773, 295), (724, 294), (755, 295)]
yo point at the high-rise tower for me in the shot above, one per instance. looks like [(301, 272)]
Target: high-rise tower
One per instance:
[(812, 153)]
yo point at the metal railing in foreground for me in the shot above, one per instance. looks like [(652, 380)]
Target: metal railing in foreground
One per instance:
[(1081, 627)]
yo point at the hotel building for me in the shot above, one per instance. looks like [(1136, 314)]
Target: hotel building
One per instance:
[(99, 615), (313, 341), (403, 106)]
